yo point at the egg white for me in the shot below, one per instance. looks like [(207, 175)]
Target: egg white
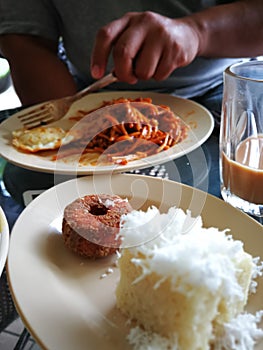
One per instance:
[(41, 138)]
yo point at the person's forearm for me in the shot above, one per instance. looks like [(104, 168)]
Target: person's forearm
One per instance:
[(37, 73), (36, 83), (232, 30)]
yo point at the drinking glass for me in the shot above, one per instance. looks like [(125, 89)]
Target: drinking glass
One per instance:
[(241, 137)]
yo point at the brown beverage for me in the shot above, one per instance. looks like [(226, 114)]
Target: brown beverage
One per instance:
[(244, 176)]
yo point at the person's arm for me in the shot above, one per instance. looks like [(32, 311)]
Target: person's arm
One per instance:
[(148, 45), (37, 73), (232, 30)]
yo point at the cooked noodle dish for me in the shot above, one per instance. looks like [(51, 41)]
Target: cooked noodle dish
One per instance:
[(117, 132)]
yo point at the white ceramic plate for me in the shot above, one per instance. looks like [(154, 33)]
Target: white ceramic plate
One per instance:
[(61, 297), (197, 116), (4, 239)]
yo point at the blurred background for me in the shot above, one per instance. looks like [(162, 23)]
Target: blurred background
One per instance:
[(8, 96)]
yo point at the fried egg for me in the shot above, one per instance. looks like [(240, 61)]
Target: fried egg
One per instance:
[(41, 138)]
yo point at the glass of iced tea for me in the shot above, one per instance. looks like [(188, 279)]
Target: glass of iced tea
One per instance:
[(241, 137)]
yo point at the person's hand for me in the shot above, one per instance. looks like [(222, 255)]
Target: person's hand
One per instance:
[(144, 45)]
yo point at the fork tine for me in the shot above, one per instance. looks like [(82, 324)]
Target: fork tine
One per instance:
[(30, 114), (36, 117), (41, 119), (39, 122), (34, 125)]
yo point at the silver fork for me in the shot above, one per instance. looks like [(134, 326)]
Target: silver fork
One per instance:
[(53, 110)]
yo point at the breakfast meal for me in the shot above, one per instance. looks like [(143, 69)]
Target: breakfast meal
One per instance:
[(117, 132), (184, 286), (91, 224)]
